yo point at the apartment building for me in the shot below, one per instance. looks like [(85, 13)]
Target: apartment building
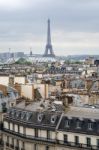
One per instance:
[(51, 129)]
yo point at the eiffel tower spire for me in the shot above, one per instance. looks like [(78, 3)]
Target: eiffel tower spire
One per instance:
[(48, 34), (49, 50)]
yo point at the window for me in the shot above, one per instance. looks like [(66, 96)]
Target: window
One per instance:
[(35, 146), (8, 139), (13, 127), (47, 147), (40, 117), (88, 142), (23, 145), (67, 124), (23, 114), (13, 141), (78, 125), (90, 126), (18, 114), (36, 132), (8, 125), (28, 116), (65, 138), (53, 119), (97, 143), (17, 143), (48, 134), (18, 129), (13, 113), (76, 140), (12, 104), (24, 130)]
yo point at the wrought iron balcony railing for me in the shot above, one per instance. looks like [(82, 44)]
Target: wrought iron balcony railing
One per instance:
[(53, 141)]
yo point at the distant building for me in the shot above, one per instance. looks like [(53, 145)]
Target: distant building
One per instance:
[(8, 55), (11, 80), (31, 53), (18, 54), (96, 62), (89, 61)]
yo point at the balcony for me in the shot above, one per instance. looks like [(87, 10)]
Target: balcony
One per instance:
[(7, 144), (51, 141), (41, 139), (1, 144), (12, 146), (17, 148), (78, 145)]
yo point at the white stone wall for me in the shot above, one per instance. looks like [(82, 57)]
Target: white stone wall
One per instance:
[(21, 129), (6, 125), (30, 132), (27, 91), (11, 126), (19, 80), (42, 133), (82, 137), (4, 80), (52, 135), (16, 127)]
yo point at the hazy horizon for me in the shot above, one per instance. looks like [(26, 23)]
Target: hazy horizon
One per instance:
[(74, 26)]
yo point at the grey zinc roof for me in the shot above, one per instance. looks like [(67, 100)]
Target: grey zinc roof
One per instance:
[(30, 118), (82, 112)]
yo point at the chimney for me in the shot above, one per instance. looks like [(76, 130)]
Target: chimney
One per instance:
[(11, 80)]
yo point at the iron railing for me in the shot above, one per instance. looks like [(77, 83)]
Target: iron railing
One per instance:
[(53, 141)]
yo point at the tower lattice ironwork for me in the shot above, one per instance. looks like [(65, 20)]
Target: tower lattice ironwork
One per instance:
[(49, 49)]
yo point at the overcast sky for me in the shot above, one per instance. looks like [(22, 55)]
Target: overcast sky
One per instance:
[(74, 25)]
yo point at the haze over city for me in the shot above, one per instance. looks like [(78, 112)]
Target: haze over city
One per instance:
[(74, 26)]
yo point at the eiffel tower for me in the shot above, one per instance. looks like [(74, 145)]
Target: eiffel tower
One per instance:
[(49, 50)]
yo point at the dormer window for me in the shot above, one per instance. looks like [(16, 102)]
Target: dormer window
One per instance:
[(78, 125), (67, 124), (23, 115), (40, 117), (9, 111), (53, 119), (90, 126), (17, 114), (13, 113), (28, 115)]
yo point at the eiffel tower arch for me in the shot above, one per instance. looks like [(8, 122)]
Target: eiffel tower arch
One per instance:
[(49, 49)]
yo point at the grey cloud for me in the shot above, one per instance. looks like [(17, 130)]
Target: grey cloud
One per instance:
[(66, 16)]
